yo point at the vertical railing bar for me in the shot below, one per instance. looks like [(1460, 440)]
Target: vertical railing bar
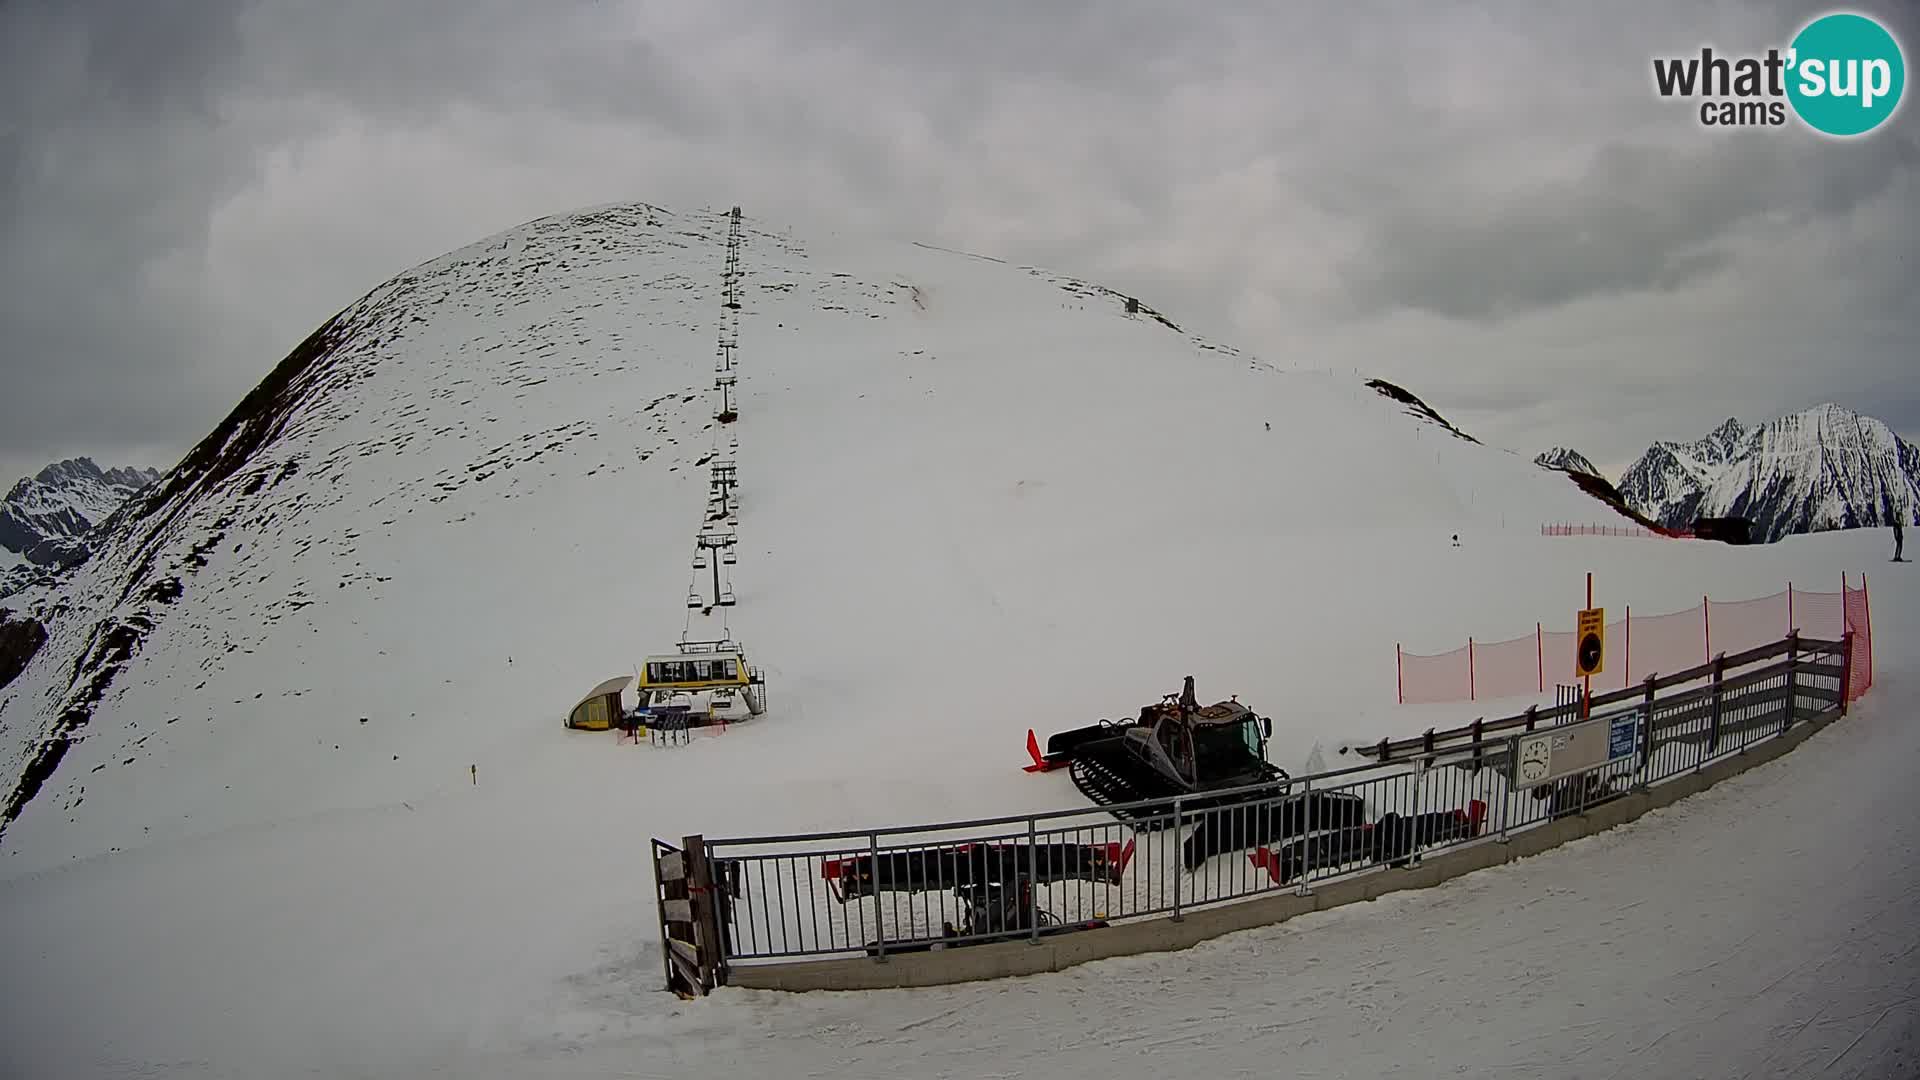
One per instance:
[(1033, 892), (758, 906), (1176, 861), (1307, 822), (786, 863), (879, 921), (813, 899)]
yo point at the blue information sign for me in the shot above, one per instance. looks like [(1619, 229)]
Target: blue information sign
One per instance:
[(1621, 731)]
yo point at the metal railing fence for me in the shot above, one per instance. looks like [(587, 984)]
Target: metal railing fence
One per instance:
[(908, 888)]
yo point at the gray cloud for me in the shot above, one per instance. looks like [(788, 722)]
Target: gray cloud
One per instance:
[(1637, 217), (1487, 204)]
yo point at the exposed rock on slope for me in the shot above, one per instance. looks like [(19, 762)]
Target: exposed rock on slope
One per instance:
[(1572, 461), (45, 516), (1825, 468)]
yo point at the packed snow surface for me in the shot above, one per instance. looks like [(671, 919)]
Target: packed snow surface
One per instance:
[(973, 499)]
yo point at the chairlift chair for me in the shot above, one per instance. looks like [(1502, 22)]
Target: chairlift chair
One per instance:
[(699, 558), (726, 598), (693, 598), (727, 556)]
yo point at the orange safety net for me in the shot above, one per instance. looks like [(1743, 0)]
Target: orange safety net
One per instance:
[(1859, 619), (1639, 646)]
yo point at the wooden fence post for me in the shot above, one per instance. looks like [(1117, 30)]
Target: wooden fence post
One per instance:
[(1846, 668), (1793, 687), (1470, 691), (1713, 728), (1646, 734), (679, 928), (706, 928), (1706, 624), (1866, 612), (1626, 677)]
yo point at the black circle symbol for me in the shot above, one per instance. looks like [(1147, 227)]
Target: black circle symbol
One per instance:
[(1589, 652)]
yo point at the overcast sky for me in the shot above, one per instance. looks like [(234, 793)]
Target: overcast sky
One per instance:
[(1485, 202)]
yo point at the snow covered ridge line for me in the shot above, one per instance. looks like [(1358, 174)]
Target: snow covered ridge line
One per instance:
[(777, 911), (1519, 667)]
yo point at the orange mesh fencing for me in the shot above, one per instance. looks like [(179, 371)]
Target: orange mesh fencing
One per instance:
[(1671, 642), (1859, 619), (1739, 625), (1428, 679), (1578, 529), (1506, 668), (1818, 614), (1557, 648), (1642, 645)]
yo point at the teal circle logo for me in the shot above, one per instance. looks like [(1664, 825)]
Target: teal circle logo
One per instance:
[(1846, 74)]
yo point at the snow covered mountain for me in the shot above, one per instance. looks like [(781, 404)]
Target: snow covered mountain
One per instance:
[(1566, 461), (43, 518), (935, 452), (1825, 468), (1667, 482)]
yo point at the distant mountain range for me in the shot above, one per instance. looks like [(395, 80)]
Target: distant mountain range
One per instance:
[(46, 515), (1824, 468)]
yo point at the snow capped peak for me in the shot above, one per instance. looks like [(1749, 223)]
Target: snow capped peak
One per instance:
[(1727, 434), (44, 515), (1566, 461), (1826, 467)]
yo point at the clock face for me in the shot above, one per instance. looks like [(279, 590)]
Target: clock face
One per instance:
[(1534, 756)]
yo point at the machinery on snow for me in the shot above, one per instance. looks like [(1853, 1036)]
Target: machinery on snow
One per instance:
[(1214, 759), (1174, 748), (1207, 756)]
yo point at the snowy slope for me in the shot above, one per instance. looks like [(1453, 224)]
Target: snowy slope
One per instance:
[(1824, 468), (961, 481), (973, 498), (1566, 461), (44, 513), (505, 929)]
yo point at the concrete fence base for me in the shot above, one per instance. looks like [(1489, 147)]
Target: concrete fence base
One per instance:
[(1167, 934)]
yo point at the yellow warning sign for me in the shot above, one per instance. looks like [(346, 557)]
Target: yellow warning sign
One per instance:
[(1590, 648)]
